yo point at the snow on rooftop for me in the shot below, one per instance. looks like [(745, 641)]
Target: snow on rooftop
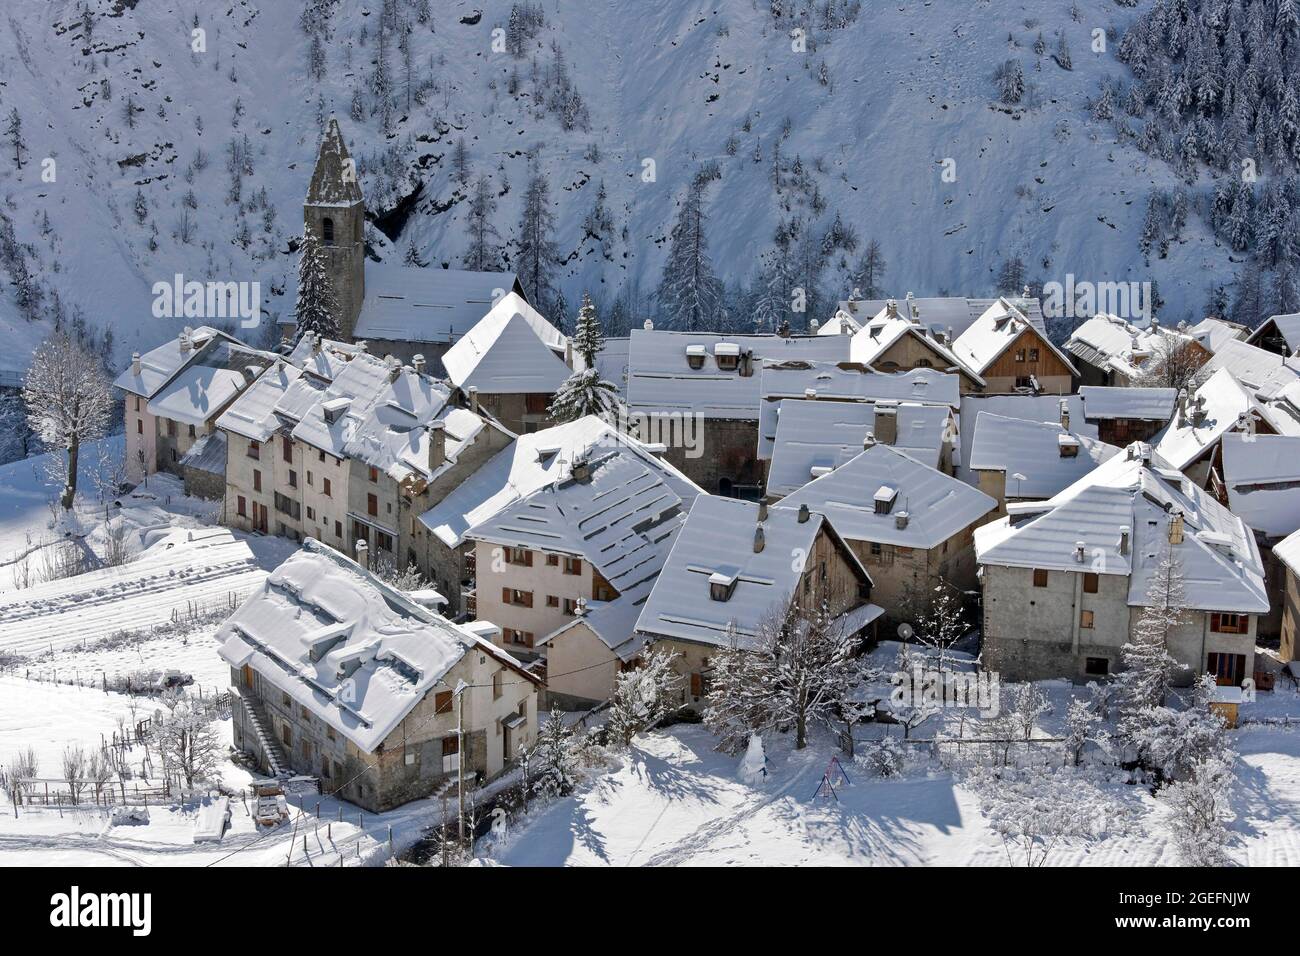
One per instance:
[(329, 422), (323, 361), (1018, 447), (1288, 552), (1262, 474), (1212, 333), (520, 469), (879, 334), (1126, 493), (356, 653), (1261, 372), (213, 377), (947, 312), (718, 538), (1035, 408), (661, 381), (1213, 411), (410, 304), (1287, 325), (158, 365), (841, 323), (989, 336), (253, 414), (937, 505), (826, 434), (1146, 404), (511, 350)]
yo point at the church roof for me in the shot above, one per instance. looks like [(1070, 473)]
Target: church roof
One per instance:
[(334, 181)]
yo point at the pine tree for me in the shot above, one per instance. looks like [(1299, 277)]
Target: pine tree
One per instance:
[(868, 275), (585, 392), (14, 130), (460, 162), (484, 252), (538, 253), (554, 759), (316, 309), (689, 293), (1145, 681)]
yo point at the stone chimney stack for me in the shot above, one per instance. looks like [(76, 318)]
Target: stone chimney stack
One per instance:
[(363, 554), (886, 426), (135, 363), (804, 514), (1123, 539), (185, 340), (417, 363), (759, 539), (1176, 528), (437, 445), (473, 399)]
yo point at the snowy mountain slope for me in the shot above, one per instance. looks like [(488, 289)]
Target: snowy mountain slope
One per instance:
[(909, 85)]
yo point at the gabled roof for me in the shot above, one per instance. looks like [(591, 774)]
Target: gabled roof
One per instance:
[(1212, 332), (1221, 402), (409, 304), (617, 520), (1101, 402), (883, 330), (1288, 552), (511, 350), (937, 506), (327, 419), (253, 414), (660, 379), (323, 358), (995, 331), (841, 323), (1287, 326), (355, 652), (1034, 408), (1109, 342), (334, 181), (939, 314), (1262, 474), (207, 454), (158, 365), (530, 462), (216, 373), (1029, 453), (717, 544), (1080, 529), (1260, 371), (815, 436)]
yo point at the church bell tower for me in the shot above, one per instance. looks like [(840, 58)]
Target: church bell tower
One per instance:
[(336, 213)]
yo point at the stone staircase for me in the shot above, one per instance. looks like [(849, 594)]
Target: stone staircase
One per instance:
[(257, 721)]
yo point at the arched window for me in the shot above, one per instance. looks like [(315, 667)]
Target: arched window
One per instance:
[(327, 227)]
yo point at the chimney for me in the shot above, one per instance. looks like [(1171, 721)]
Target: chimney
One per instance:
[(1182, 405), (813, 326), (417, 362), (853, 299), (900, 520), (135, 363), (185, 340), (762, 511), (394, 370), (362, 346), (649, 326), (891, 308), (437, 445), (568, 352), (1080, 551), (473, 399), (1245, 424), (363, 553), (912, 311), (810, 394), (1176, 528), (804, 514), (868, 440), (1065, 415), (581, 470), (250, 374), (886, 428), (759, 540), (315, 343), (1123, 539)]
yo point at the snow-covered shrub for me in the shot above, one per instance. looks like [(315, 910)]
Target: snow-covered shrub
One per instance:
[(1200, 811), (885, 757), (643, 696)]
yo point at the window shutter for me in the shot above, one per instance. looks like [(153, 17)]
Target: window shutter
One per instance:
[(505, 595)]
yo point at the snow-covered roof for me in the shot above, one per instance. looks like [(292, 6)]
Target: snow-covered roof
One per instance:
[(939, 314), (1145, 404), (1260, 371), (1030, 454), (1262, 474), (936, 505), (253, 414), (623, 520), (323, 358), (841, 323), (207, 454), (355, 652), (718, 539), (334, 181), (989, 336), (1034, 408), (388, 429), (158, 365), (1288, 552), (1286, 325), (1212, 332), (1215, 409), (1109, 342), (879, 333), (1081, 529), (409, 304), (530, 462), (511, 350), (813, 437), (660, 380), (328, 420), (215, 375), (611, 362)]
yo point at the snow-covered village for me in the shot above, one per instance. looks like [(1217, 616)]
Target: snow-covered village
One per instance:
[(535, 433)]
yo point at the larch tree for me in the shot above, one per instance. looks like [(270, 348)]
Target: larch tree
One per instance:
[(689, 293), (538, 252), (868, 276), (316, 309), (483, 253), (69, 402)]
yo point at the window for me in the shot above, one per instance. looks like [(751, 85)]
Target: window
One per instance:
[(722, 590), (338, 529), (1224, 623), (1020, 355), (520, 556), (293, 478), (329, 732), (139, 426), (325, 488), (1096, 666), (1085, 620), (171, 428), (695, 360), (1090, 582), (257, 480), (286, 448), (573, 565), (241, 508), (311, 514), (372, 505), (552, 560), (286, 734), (442, 702), (327, 230), (1033, 355), (516, 597), (308, 477), (512, 636), (1228, 669), (384, 542), (496, 685), (1040, 578), (697, 684), (552, 601), (1024, 381), (137, 403), (254, 450), (285, 699), (570, 607), (924, 363), (374, 474), (875, 549)]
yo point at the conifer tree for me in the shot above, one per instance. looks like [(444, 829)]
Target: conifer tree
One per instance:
[(316, 309)]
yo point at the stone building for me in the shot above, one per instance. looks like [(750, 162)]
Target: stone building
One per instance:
[(338, 676)]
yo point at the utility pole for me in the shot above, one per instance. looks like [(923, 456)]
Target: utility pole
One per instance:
[(461, 687)]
